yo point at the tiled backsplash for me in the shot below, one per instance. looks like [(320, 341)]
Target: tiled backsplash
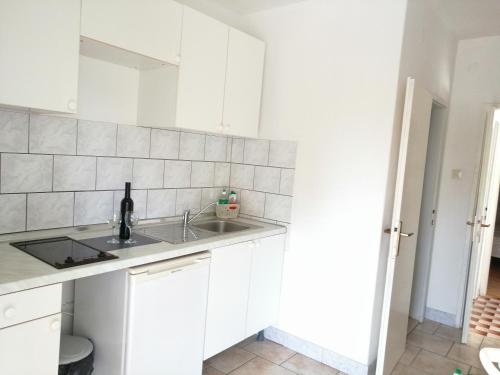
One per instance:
[(60, 172)]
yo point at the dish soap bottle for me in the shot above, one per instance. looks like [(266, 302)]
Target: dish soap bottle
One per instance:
[(233, 197), (224, 199)]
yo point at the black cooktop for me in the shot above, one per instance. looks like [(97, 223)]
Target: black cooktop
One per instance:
[(63, 252)]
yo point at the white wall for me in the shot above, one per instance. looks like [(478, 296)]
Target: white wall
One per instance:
[(476, 84), (330, 82)]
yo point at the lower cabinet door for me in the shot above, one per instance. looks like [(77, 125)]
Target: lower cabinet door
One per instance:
[(265, 283), (31, 348), (227, 297)]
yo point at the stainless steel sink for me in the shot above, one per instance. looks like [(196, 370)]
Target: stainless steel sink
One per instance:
[(221, 226)]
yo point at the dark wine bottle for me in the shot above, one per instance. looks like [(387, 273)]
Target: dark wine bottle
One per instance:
[(126, 207)]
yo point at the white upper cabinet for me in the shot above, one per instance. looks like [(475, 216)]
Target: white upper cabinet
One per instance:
[(148, 27), (200, 97), (39, 50), (245, 65)]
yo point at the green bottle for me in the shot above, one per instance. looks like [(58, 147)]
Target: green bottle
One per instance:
[(457, 372)]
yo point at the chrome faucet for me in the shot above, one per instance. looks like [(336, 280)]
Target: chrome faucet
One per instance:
[(185, 217)]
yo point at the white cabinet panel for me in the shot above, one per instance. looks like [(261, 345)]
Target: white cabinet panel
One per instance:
[(202, 72), (227, 297), (147, 27), (265, 283), (31, 348), (245, 65), (39, 48)]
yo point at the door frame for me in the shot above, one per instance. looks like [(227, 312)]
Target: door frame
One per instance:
[(418, 304)]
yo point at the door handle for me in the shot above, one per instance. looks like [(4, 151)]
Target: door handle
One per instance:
[(406, 234), (485, 225), (470, 223)]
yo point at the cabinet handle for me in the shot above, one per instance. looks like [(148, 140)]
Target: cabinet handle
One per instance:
[(9, 312), (72, 105), (55, 325)]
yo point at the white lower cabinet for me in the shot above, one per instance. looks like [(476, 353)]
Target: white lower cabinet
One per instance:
[(244, 291), (29, 339)]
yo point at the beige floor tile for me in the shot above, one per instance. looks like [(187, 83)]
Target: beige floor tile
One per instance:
[(428, 342), (465, 354), (475, 340), (230, 359), (247, 341), (437, 365), (428, 326), (270, 350), (259, 366), (477, 371), (306, 366), (450, 333), (412, 323), (211, 371), (409, 354), (401, 369), (490, 342)]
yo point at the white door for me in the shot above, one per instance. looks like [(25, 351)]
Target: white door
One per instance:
[(265, 283), (477, 222), (31, 347), (202, 73), (405, 221), (40, 43), (245, 66), (227, 297), (148, 27)]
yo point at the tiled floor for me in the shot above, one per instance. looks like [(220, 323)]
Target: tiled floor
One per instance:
[(251, 357), (494, 278), (435, 349), (485, 317)]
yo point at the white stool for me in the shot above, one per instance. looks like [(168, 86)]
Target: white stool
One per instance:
[(490, 357)]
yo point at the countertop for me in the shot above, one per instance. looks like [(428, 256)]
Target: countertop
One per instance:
[(20, 271)]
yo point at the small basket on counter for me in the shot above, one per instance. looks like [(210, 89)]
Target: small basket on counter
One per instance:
[(227, 211)]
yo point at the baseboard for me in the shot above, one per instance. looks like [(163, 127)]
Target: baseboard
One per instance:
[(318, 353), (441, 317)]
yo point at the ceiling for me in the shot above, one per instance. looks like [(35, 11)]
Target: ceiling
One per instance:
[(250, 6), (470, 18)]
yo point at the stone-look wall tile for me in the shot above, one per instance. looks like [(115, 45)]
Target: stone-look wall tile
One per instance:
[(283, 154), (73, 173), (93, 207), (252, 203), (96, 138), (50, 210), (242, 176), (222, 173), (52, 135), (278, 207), (256, 152), (267, 179), (188, 199), (133, 141), (13, 131), (12, 213), (161, 203), (192, 146), (164, 144), (21, 173), (138, 196), (215, 148), (147, 174), (287, 181), (177, 174), (209, 195), (237, 150), (112, 173), (202, 174)]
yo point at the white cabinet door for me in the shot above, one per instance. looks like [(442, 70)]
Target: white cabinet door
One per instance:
[(265, 283), (148, 27), (39, 48), (31, 348), (202, 72), (227, 297), (245, 65)]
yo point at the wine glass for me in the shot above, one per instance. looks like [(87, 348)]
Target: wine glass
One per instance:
[(113, 220), (131, 221)]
